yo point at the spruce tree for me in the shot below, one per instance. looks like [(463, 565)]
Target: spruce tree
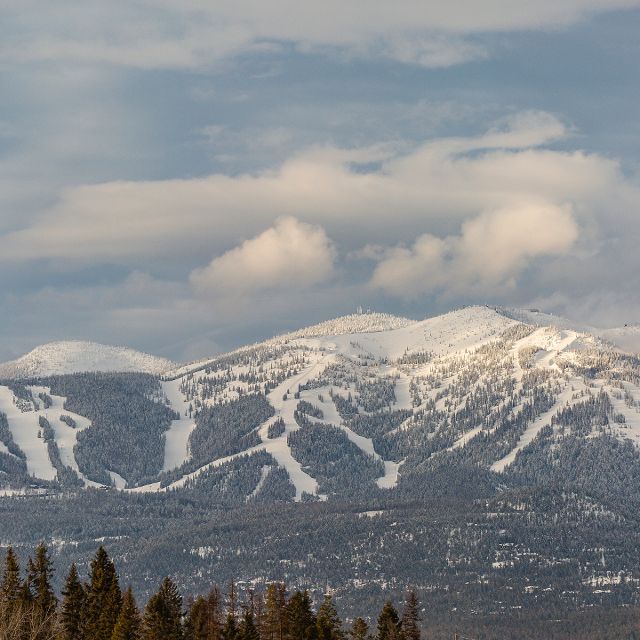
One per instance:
[(411, 617), (359, 630), (230, 631), (196, 624), (129, 623), (10, 585), (40, 572), (103, 599), (301, 621), (388, 623), (73, 599), (163, 614), (247, 629), (329, 624), (11, 588), (214, 615), (274, 619)]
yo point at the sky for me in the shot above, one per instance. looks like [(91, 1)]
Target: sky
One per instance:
[(185, 177)]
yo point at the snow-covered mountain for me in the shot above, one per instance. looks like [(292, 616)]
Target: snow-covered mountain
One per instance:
[(75, 356), (478, 385), (471, 448)]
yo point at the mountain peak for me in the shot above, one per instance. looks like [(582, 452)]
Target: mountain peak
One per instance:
[(76, 356)]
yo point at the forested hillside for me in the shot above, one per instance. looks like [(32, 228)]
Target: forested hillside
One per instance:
[(484, 460)]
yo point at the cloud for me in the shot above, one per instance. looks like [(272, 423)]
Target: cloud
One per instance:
[(376, 195), (487, 256), (289, 255), (197, 33)]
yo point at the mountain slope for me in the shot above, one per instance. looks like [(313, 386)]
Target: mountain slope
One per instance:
[(381, 398), (460, 452), (76, 356)]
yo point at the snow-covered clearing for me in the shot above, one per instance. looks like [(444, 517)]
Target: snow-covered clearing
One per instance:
[(118, 481), (176, 445), (25, 428), (533, 429), (264, 474)]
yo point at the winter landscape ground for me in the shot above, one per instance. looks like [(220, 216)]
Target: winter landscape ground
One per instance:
[(488, 458)]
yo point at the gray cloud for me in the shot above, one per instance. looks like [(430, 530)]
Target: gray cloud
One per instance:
[(196, 33)]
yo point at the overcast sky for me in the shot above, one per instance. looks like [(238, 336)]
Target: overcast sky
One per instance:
[(183, 177)]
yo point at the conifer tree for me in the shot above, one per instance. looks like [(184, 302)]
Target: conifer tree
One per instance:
[(329, 624), (214, 615), (196, 624), (274, 619), (129, 623), (163, 614), (11, 588), (103, 599), (388, 623), (247, 629), (359, 630), (411, 617), (10, 585), (301, 621), (72, 605), (40, 572), (230, 631)]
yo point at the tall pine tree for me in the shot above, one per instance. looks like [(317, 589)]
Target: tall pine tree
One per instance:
[(359, 630), (411, 617), (273, 625), (73, 600), (103, 599), (247, 629), (301, 621), (388, 623), (329, 624), (196, 625), (40, 572), (129, 623), (163, 614)]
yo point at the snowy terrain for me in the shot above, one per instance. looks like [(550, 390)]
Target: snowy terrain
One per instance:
[(57, 358), (478, 384)]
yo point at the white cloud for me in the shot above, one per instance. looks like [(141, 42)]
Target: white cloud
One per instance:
[(188, 34), (289, 255), (487, 256), (433, 188)]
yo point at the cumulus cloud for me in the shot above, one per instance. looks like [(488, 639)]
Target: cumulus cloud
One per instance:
[(488, 254), (197, 33), (289, 255)]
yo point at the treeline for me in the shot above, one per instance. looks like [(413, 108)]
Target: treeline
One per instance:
[(100, 610)]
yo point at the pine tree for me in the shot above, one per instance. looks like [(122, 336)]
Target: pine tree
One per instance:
[(72, 605), (103, 599), (388, 623), (10, 585), (163, 614), (301, 621), (230, 631), (129, 623), (411, 617), (329, 624), (274, 619), (247, 629), (214, 615), (40, 572), (359, 630), (11, 589), (196, 624)]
